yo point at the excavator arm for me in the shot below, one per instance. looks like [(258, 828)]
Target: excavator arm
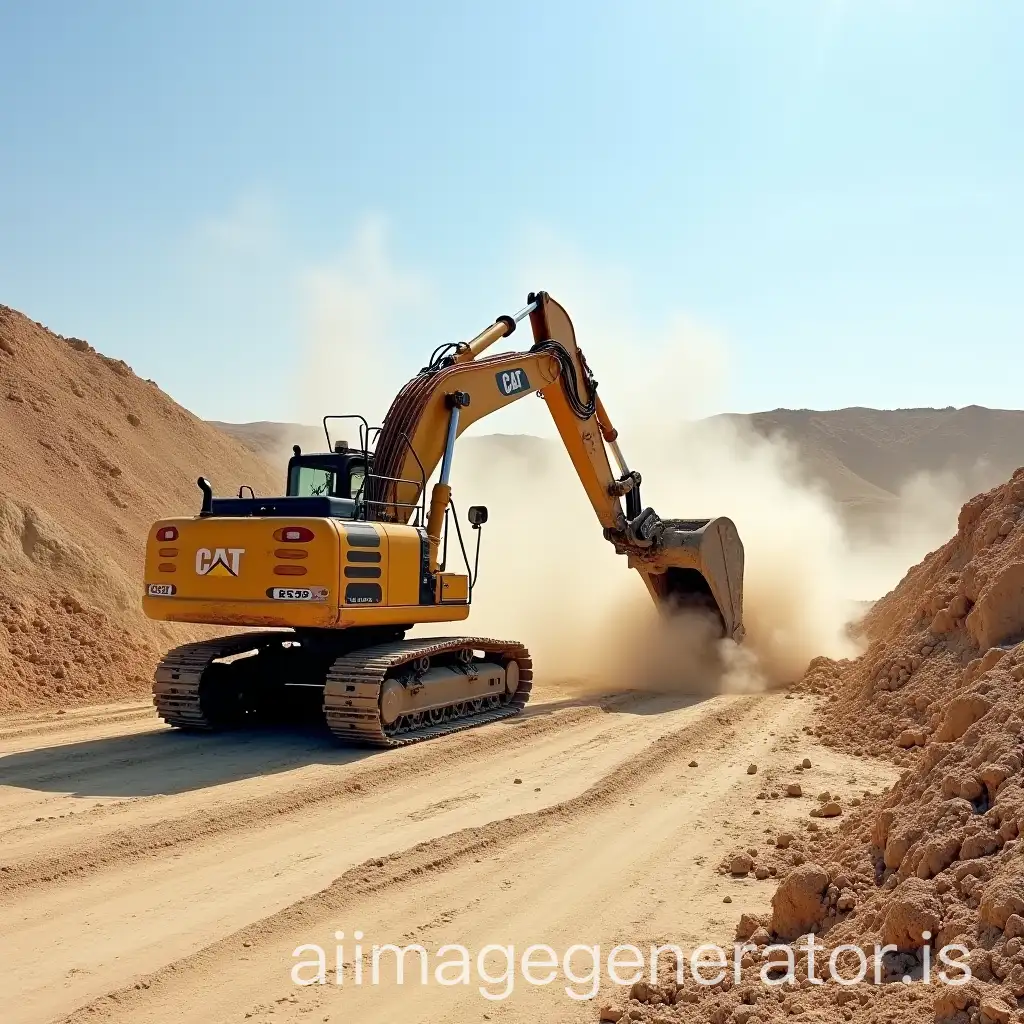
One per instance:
[(416, 429), (689, 562)]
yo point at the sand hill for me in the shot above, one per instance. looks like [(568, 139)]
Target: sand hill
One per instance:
[(90, 455)]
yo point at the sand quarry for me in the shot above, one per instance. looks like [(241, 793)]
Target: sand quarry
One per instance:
[(148, 875)]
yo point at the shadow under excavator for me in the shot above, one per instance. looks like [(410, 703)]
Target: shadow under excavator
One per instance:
[(165, 761)]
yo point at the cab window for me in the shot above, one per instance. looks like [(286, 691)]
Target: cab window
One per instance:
[(356, 476), (311, 482)]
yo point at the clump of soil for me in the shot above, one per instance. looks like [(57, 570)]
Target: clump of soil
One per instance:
[(90, 456), (935, 861)]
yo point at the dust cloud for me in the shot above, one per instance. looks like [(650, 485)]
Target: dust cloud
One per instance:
[(675, 651), (356, 311), (550, 579), (922, 518), (547, 576)]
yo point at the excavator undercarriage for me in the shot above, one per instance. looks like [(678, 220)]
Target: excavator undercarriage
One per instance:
[(384, 694)]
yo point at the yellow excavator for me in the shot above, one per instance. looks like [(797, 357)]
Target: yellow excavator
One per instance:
[(354, 554)]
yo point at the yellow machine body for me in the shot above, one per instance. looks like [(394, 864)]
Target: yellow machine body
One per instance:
[(237, 571)]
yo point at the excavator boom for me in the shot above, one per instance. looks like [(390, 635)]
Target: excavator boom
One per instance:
[(682, 562)]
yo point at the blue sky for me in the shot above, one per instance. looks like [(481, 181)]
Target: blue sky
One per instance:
[(269, 208)]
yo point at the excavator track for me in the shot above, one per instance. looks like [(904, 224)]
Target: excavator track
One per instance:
[(352, 695), (178, 675), (185, 697)]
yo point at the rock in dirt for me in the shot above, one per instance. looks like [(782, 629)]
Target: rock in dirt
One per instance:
[(797, 905), (999, 611), (847, 901), (741, 864), (794, 789), (961, 713), (994, 1010), (1001, 899), (951, 1003), (914, 910), (751, 769), (911, 738)]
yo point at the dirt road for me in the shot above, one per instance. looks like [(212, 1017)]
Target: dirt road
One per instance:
[(149, 876)]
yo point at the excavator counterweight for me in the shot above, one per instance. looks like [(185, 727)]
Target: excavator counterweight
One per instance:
[(357, 552)]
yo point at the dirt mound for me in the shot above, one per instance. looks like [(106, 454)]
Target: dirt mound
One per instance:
[(934, 638), (935, 862), (90, 455)]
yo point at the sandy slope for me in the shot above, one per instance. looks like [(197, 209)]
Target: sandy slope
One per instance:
[(90, 456), (148, 875)]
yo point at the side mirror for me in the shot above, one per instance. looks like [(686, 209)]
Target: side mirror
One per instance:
[(477, 515)]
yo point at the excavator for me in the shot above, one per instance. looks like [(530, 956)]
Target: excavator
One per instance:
[(355, 554)]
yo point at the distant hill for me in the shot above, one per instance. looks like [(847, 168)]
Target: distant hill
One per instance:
[(884, 446), (866, 456), (272, 440), (863, 457)]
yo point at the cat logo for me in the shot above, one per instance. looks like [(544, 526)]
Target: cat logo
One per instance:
[(221, 562), (512, 382)]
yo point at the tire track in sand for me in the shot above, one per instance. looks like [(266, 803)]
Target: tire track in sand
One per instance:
[(387, 880), (155, 829)]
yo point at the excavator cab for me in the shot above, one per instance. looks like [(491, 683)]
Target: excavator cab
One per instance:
[(337, 474)]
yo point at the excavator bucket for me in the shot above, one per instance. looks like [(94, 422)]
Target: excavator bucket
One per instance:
[(696, 563)]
